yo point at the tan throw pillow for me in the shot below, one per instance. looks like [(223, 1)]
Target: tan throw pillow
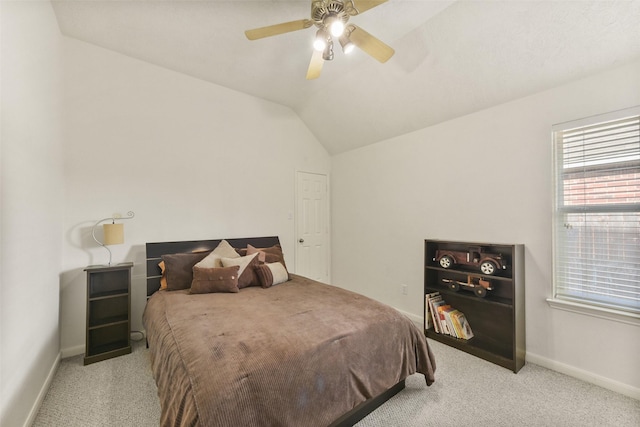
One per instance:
[(210, 280), (210, 261), (223, 250), (246, 273), (271, 274)]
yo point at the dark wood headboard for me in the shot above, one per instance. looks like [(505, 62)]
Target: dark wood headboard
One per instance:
[(156, 250)]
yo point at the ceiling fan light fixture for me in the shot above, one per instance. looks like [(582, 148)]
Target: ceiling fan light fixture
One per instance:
[(331, 18), (347, 45), (336, 26), (321, 41)]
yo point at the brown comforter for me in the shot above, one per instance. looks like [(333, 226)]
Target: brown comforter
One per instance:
[(298, 354)]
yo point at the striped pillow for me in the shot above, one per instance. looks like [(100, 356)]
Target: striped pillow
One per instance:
[(271, 274)]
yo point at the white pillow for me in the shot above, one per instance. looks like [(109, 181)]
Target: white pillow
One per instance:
[(223, 250)]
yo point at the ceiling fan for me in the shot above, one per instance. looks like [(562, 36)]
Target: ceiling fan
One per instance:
[(331, 17)]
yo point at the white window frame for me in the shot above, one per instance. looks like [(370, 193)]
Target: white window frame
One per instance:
[(568, 302)]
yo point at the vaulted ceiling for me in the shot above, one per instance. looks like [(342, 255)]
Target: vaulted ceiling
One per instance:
[(452, 57)]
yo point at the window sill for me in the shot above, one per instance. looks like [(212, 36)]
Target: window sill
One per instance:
[(600, 312)]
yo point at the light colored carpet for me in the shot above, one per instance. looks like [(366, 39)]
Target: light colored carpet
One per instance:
[(468, 391)]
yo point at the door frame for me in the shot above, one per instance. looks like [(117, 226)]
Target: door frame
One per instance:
[(328, 218)]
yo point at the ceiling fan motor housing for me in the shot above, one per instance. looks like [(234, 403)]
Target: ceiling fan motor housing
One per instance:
[(323, 9)]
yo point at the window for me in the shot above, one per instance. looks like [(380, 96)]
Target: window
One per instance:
[(597, 212)]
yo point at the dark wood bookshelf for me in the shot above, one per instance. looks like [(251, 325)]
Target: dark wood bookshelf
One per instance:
[(497, 319)]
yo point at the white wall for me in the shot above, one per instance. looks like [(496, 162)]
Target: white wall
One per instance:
[(31, 197), (87, 133), (192, 159), (195, 160), (484, 177)]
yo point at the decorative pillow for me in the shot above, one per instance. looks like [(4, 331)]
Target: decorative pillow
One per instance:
[(261, 255), (223, 250), (163, 279), (179, 269), (271, 274), (272, 254), (210, 280), (246, 273)]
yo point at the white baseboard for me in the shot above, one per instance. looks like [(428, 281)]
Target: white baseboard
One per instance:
[(583, 375), (43, 392), (72, 351)]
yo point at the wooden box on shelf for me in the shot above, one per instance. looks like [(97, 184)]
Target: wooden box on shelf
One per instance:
[(461, 272), (108, 312)]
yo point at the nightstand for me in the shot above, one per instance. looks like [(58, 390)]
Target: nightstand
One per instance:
[(108, 311)]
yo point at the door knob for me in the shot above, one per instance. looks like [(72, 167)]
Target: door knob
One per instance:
[(301, 240)]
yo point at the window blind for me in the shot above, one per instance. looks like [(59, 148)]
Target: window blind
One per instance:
[(597, 212)]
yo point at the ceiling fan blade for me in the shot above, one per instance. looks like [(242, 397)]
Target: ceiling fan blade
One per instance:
[(274, 30), (370, 44), (364, 5), (315, 66)]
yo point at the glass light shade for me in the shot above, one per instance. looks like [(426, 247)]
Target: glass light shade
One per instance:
[(347, 45), (113, 234), (336, 28), (320, 42)]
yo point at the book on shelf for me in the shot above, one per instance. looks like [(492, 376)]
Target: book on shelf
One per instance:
[(436, 315), (453, 319), (446, 319), (444, 326), (454, 328), (427, 311), (465, 328), (431, 299)]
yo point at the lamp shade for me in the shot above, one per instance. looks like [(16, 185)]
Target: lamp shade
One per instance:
[(113, 234)]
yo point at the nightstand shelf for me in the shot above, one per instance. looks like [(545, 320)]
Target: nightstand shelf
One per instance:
[(108, 312), (108, 321), (110, 294)]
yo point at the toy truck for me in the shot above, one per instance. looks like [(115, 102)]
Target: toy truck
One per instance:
[(487, 263), (478, 285)]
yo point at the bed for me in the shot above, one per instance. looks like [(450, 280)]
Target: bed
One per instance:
[(299, 353)]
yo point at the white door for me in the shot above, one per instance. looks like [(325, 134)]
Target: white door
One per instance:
[(312, 226)]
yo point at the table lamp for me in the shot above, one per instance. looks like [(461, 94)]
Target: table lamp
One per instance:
[(113, 234)]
